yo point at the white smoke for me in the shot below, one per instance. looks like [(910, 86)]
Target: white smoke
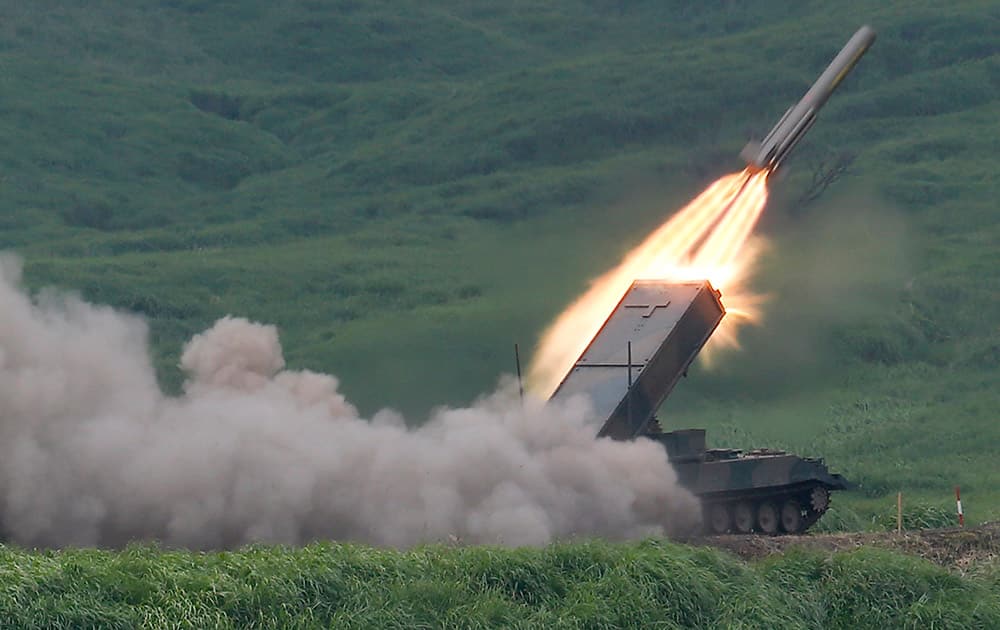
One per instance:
[(93, 453)]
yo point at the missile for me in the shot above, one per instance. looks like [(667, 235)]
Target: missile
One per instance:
[(775, 147)]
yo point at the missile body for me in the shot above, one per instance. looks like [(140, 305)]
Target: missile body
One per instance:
[(775, 147)]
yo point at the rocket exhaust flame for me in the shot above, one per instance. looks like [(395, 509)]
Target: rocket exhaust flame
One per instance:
[(710, 238)]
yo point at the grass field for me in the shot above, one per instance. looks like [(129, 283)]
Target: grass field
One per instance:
[(583, 585)]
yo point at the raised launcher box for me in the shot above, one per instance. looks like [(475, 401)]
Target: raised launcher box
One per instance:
[(666, 323)]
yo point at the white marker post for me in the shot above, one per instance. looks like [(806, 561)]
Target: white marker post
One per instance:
[(958, 506)]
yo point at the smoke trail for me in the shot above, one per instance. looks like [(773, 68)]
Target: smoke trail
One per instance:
[(92, 453)]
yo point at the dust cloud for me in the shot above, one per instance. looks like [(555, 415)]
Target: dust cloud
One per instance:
[(92, 453)]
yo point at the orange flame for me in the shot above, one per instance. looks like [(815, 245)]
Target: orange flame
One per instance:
[(709, 238)]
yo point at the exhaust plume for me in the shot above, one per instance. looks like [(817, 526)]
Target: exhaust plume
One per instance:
[(709, 238), (93, 453)]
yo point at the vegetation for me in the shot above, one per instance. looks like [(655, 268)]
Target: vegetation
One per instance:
[(588, 584), (408, 188)]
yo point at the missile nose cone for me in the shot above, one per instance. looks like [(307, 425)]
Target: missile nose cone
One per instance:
[(867, 32), (863, 38)]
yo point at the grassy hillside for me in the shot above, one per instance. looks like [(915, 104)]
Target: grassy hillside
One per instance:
[(408, 188), (591, 585)]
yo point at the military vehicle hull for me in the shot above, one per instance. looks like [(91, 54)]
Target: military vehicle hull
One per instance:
[(762, 491)]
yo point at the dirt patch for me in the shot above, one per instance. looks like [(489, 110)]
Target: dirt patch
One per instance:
[(956, 548)]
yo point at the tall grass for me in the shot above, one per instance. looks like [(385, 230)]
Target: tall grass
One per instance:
[(580, 585)]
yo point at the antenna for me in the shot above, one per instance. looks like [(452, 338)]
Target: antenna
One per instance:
[(517, 361), (630, 385)]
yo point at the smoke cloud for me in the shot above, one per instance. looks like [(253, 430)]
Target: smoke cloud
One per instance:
[(832, 276), (93, 453)]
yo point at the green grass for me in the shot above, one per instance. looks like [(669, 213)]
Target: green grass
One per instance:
[(584, 585)]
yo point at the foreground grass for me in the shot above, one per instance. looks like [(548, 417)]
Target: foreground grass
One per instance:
[(592, 585)]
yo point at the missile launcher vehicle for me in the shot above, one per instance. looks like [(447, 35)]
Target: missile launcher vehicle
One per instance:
[(630, 366)]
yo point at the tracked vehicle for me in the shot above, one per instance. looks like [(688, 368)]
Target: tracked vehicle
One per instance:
[(633, 363), (763, 490)]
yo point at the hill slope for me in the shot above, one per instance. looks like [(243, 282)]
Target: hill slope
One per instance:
[(409, 188)]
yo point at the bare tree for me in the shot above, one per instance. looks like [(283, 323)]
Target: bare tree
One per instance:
[(826, 171)]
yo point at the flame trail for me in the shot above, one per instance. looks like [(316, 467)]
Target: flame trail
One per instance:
[(708, 238)]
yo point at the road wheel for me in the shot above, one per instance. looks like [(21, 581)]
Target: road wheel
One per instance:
[(767, 518), (743, 517), (791, 517), (819, 499), (719, 518)]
